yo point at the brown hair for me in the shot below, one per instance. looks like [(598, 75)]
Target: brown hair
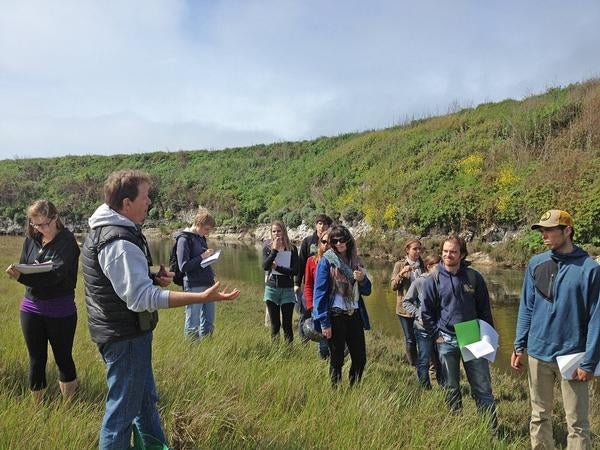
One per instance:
[(324, 218), (286, 240), (204, 217), (431, 260), (41, 208), (411, 242), (123, 184), (462, 244)]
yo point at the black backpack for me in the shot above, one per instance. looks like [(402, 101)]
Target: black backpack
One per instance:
[(174, 265)]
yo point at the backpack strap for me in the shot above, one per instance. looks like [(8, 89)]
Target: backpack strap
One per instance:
[(472, 278)]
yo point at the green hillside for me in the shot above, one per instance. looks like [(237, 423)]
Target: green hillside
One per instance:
[(502, 163)]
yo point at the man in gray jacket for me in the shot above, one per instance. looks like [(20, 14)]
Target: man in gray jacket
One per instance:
[(122, 299)]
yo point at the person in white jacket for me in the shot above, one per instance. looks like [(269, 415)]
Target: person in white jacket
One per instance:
[(122, 299)]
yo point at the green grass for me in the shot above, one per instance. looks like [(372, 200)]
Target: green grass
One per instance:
[(237, 390)]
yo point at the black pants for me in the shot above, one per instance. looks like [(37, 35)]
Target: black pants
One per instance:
[(347, 331), (287, 311), (60, 332)]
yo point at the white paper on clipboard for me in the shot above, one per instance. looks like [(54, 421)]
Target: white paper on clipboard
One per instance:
[(34, 268), (283, 259)]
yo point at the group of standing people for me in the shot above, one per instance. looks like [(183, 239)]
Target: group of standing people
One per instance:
[(559, 315), (559, 312), (334, 283)]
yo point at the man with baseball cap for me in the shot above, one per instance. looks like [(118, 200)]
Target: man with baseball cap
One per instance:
[(559, 314)]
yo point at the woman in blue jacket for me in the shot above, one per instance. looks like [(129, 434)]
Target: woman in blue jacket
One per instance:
[(338, 308)]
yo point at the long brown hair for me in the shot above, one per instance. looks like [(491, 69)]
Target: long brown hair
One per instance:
[(320, 251), (410, 242), (42, 208), (340, 231), (286, 240)]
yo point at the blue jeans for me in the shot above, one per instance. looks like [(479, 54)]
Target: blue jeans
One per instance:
[(323, 348), (478, 375), (200, 317), (427, 352), (408, 329), (132, 393)]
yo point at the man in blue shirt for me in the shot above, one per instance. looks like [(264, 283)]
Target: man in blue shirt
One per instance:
[(559, 315), (458, 293)]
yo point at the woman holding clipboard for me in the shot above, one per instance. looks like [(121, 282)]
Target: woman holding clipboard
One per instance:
[(48, 313), (280, 261)]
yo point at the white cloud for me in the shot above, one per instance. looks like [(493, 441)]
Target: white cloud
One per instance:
[(108, 76)]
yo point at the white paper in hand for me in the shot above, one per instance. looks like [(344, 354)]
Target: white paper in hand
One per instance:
[(211, 259), (34, 268), (486, 348), (567, 364)]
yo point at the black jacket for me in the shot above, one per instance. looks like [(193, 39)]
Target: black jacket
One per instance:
[(109, 319), (286, 280), (309, 247), (62, 279)]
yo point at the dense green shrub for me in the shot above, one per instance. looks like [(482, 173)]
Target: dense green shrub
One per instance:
[(501, 164)]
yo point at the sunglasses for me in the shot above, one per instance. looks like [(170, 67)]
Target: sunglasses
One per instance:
[(37, 226), (324, 241), (335, 241)]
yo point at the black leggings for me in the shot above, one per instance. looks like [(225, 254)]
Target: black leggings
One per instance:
[(60, 332), (287, 311)]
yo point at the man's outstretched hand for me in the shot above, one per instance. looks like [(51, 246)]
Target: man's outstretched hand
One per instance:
[(213, 293)]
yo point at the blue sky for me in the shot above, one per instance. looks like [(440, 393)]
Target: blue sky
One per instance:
[(102, 77)]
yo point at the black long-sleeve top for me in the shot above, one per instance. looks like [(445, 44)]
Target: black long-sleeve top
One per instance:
[(309, 246), (63, 251), (286, 280)]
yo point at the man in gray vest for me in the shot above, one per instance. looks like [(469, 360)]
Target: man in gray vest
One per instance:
[(122, 299)]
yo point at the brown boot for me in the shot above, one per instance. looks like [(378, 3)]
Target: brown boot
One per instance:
[(68, 389), (38, 396), (411, 354)]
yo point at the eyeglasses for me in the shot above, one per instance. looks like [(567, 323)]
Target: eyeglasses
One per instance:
[(37, 226), (335, 241)]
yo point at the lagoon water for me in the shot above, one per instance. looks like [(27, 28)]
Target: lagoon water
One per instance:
[(243, 262)]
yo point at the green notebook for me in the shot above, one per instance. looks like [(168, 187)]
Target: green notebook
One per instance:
[(467, 332)]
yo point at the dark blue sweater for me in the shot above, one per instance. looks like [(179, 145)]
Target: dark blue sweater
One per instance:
[(458, 301), (190, 247)]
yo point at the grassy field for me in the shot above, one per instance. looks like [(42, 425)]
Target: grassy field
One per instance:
[(237, 390)]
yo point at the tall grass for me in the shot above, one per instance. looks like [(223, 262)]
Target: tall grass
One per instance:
[(238, 390)]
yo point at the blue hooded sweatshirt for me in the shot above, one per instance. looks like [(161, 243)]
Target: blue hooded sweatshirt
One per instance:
[(454, 300), (559, 312), (190, 247)]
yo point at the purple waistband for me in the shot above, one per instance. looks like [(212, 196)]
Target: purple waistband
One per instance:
[(54, 307)]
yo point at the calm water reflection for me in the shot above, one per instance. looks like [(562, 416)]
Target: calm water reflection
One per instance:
[(243, 262)]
